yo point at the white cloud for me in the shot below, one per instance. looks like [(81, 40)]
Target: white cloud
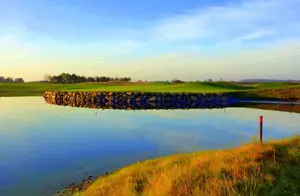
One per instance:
[(255, 35), (179, 27), (230, 21)]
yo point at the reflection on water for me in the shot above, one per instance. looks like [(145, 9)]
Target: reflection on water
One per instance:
[(44, 146), (278, 107), (169, 104)]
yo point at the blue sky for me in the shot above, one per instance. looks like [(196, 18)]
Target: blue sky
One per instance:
[(152, 40)]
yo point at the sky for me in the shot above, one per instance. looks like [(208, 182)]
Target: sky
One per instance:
[(151, 40)]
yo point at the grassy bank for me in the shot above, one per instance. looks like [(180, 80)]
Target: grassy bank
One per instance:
[(269, 169), (31, 89)]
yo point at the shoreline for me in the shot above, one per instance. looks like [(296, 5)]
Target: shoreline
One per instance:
[(268, 146)]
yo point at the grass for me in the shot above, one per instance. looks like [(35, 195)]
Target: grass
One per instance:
[(272, 168), (31, 89)]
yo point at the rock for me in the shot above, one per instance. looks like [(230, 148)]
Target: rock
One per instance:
[(136, 100), (152, 98)]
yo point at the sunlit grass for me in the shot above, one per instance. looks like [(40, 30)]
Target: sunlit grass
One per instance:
[(272, 168), (29, 89)]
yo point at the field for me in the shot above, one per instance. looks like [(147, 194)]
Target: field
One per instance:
[(36, 89), (255, 169)]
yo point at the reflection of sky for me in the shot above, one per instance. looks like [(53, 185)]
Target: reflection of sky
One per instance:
[(54, 145)]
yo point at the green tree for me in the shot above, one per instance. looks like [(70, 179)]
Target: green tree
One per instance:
[(90, 79), (19, 80), (2, 79), (9, 79)]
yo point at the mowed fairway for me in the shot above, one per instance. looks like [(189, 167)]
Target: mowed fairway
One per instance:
[(37, 89)]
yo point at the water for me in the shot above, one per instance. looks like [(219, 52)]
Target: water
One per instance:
[(44, 147), (270, 102)]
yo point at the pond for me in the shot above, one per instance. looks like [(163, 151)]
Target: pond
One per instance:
[(46, 147)]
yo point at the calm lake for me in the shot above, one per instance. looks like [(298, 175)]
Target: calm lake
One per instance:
[(46, 147)]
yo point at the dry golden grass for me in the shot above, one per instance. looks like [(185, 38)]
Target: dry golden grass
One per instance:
[(248, 170)]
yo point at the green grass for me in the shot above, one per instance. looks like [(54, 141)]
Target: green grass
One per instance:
[(164, 87), (271, 168), (30, 89)]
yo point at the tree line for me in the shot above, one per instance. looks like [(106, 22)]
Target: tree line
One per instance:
[(67, 78), (10, 80)]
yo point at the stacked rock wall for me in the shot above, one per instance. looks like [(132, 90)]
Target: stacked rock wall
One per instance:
[(138, 100)]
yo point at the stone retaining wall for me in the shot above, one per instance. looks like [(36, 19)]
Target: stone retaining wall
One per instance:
[(138, 100)]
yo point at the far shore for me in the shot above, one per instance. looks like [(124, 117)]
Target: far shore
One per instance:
[(284, 91)]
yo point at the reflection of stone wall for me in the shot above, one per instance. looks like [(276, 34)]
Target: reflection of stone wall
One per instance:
[(137, 100)]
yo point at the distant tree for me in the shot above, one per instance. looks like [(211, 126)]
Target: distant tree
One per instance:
[(9, 79), (82, 79), (104, 79), (2, 79), (57, 79), (19, 80), (47, 77), (127, 79), (65, 78), (176, 81), (73, 78), (90, 79)]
